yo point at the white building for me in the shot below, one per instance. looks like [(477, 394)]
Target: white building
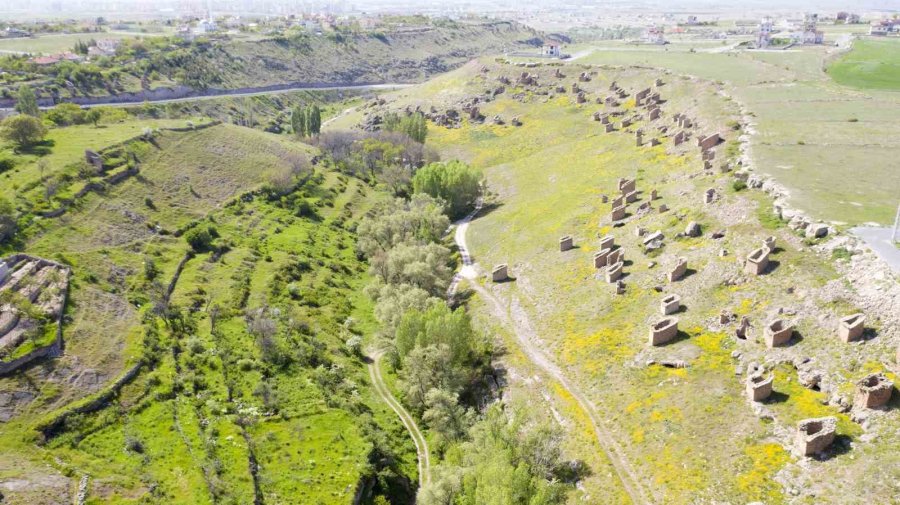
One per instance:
[(551, 49), (655, 35), (764, 33)]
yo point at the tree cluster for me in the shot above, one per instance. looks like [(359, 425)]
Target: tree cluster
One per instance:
[(306, 121)]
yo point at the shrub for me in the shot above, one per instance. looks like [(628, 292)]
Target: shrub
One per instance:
[(201, 238), (738, 185), (454, 182), (23, 130)]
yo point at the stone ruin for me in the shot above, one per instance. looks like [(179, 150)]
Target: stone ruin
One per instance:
[(770, 243), (500, 273), (526, 79), (618, 213), (566, 242), (558, 74), (631, 196), (815, 435), (584, 77), (601, 258), (678, 272), (663, 208), (653, 194), (580, 98), (607, 242), (655, 142), (670, 304), (678, 139), (616, 256), (778, 333), (575, 88), (618, 201), (743, 329), (709, 196), (759, 387), (609, 127), (620, 287), (627, 185), (757, 261), (654, 113), (708, 142), (640, 96), (41, 284), (504, 80), (663, 331), (851, 327), (873, 391), (497, 120), (516, 121), (614, 271), (639, 137)]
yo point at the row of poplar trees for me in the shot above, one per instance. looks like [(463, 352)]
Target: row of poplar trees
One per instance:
[(306, 120)]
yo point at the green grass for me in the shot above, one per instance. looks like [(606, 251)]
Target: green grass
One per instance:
[(870, 64), (55, 43)]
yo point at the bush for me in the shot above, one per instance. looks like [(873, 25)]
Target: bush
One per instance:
[(201, 238), (738, 185), (455, 182), (7, 164)]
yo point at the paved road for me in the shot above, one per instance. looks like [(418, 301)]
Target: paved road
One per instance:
[(879, 239), (299, 87), (423, 453), (515, 317)]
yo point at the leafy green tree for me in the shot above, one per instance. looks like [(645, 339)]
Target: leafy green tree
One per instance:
[(314, 121), (66, 114), (93, 116), (428, 368), (8, 220), (26, 101), (455, 182), (413, 125), (437, 326), (444, 415), (395, 300), (423, 266), (23, 130), (298, 121), (201, 238), (415, 221)]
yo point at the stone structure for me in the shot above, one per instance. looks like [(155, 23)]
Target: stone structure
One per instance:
[(692, 229), (770, 243), (757, 261), (678, 139), (663, 331), (815, 435), (609, 127), (778, 333), (708, 142), (566, 242), (653, 195), (631, 197), (601, 257), (500, 273), (670, 304), (607, 242), (873, 391), (639, 137), (851, 328), (742, 331), (618, 213), (759, 387), (618, 201), (94, 159), (614, 271), (663, 208), (615, 256), (627, 185), (679, 270), (654, 113), (709, 196)]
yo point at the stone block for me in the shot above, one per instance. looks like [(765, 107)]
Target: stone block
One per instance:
[(663, 331), (757, 261), (759, 387), (851, 327), (566, 242), (500, 273), (607, 242), (873, 391), (679, 270), (670, 304), (614, 271), (815, 435), (618, 213), (778, 333)]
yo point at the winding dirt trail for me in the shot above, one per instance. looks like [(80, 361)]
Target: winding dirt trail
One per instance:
[(516, 319), (422, 450)]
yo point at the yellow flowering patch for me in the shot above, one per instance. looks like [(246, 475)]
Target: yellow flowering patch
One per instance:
[(765, 460)]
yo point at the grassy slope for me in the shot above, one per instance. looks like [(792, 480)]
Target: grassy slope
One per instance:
[(312, 453), (806, 138), (690, 432), (870, 64)]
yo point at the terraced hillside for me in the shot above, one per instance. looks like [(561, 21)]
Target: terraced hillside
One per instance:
[(205, 354), (670, 423)]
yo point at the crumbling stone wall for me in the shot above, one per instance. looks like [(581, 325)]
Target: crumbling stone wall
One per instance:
[(815, 435), (873, 391), (663, 331)]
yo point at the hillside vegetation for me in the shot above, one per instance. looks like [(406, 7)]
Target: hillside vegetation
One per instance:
[(871, 64)]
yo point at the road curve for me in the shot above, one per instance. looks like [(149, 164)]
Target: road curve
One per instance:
[(422, 451), (525, 335)]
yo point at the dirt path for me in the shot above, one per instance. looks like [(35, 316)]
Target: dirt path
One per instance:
[(516, 319), (423, 453)]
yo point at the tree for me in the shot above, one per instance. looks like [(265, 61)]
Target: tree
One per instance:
[(437, 326), (455, 182), (23, 130), (66, 114), (298, 121), (427, 368), (26, 101), (8, 221), (416, 221), (445, 415), (423, 266), (201, 238), (314, 121), (93, 116), (394, 301)]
